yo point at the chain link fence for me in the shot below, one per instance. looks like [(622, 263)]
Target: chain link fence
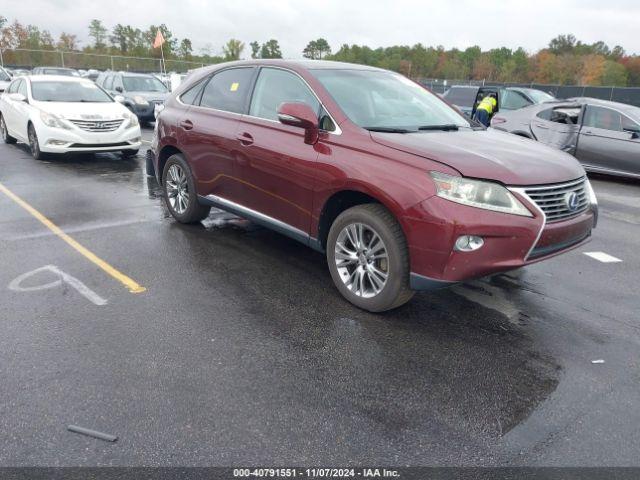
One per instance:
[(26, 58), (628, 95)]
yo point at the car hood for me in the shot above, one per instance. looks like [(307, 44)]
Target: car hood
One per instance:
[(490, 154), (149, 95), (84, 111)]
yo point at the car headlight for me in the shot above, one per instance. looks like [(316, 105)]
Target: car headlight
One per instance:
[(479, 194), (132, 119), (51, 120), (139, 100)]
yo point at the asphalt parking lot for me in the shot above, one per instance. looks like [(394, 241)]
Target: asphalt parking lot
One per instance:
[(241, 352)]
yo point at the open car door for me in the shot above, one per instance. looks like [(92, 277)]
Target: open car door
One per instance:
[(558, 126)]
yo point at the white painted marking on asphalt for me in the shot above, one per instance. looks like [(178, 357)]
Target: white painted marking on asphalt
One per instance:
[(63, 277), (602, 257)]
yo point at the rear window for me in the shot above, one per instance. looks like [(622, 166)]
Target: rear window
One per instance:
[(464, 97)]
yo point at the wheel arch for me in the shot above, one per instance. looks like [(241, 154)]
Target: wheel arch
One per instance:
[(163, 155)]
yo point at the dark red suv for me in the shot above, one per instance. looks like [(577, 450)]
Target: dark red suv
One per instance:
[(400, 190)]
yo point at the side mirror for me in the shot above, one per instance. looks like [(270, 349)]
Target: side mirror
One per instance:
[(635, 132), (119, 89), (301, 115), (119, 98), (17, 97)]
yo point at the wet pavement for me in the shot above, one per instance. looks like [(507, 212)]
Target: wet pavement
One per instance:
[(241, 351)]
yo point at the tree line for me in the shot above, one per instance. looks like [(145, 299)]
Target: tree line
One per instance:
[(566, 60)]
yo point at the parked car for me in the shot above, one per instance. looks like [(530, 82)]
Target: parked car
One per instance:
[(19, 72), (5, 79), (604, 136), (92, 74), (140, 93), (67, 72), (398, 189), (58, 114), (467, 97)]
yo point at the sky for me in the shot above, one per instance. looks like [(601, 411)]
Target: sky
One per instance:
[(452, 23)]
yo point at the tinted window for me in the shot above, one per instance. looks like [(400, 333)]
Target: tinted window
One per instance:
[(464, 97), (511, 100), (190, 96), (545, 114), (228, 90), (275, 87), (605, 118), (85, 91)]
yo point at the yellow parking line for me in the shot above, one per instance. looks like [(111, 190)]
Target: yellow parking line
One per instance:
[(132, 285)]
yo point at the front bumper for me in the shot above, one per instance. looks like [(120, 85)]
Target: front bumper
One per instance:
[(510, 241), (59, 140)]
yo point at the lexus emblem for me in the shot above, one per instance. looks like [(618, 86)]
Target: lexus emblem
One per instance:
[(572, 201)]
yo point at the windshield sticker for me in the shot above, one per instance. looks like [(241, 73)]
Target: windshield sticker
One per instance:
[(234, 86)]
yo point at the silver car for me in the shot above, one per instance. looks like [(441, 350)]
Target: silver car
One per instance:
[(604, 136)]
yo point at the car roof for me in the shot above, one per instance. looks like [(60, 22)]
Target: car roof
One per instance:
[(55, 68), (294, 64), (608, 103), (54, 78)]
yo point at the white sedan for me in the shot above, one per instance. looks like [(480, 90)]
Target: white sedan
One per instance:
[(55, 114)]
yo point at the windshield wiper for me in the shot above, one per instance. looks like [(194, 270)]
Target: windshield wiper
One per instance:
[(389, 130), (446, 128)]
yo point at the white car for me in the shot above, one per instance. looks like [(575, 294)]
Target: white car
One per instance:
[(56, 114)]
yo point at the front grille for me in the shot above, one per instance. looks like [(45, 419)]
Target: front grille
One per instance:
[(99, 145), (98, 125), (552, 199)]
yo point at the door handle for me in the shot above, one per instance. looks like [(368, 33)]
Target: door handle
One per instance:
[(245, 138), (543, 127), (186, 124)]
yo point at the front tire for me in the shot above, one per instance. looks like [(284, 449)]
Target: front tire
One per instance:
[(34, 143), (6, 138), (180, 194), (368, 258)]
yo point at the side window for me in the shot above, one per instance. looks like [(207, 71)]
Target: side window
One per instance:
[(13, 88), (545, 114), (228, 90), (190, 97), (600, 117), (275, 87), (108, 82), (22, 88), (513, 100), (117, 82), (629, 125)]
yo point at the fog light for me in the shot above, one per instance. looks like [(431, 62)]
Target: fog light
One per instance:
[(57, 142), (468, 243)]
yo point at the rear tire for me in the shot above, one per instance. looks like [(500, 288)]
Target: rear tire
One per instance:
[(4, 132), (34, 143), (180, 194), (372, 273)]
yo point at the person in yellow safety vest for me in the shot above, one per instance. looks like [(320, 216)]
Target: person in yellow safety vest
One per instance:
[(485, 109)]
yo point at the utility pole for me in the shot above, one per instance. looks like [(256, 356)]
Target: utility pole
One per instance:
[(62, 57)]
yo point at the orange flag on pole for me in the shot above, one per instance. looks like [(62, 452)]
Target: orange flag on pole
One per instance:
[(159, 40)]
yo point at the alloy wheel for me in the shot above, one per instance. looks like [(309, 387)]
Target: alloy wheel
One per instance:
[(33, 142), (177, 189), (362, 260)]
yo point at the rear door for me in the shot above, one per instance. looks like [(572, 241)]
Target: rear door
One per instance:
[(605, 144), (557, 127), (276, 167), (21, 111), (207, 131)]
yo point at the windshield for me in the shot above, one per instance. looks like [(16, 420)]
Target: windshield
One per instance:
[(4, 77), (68, 92), (538, 96), (379, 100), (143, 84)]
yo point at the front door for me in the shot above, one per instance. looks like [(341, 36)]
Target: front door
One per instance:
[(276, 166), (604, 143)]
